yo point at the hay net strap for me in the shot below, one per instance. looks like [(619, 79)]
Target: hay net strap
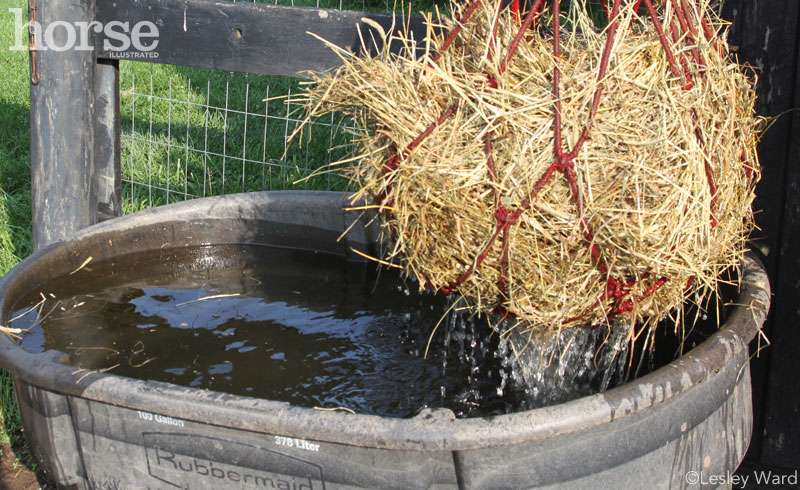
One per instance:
[(680, 28)]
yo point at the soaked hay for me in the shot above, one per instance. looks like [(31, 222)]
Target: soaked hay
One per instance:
[(662, 188)]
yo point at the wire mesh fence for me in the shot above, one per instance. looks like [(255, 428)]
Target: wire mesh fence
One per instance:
[(192, 132)]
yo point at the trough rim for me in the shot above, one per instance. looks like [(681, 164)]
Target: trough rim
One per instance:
[(431, 429)]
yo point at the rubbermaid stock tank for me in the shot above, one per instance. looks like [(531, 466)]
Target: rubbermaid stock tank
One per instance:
[(107, 431)]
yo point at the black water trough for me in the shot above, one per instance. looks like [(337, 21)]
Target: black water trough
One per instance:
[(687, 424)]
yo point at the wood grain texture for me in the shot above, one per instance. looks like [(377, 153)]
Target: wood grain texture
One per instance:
[(108, 168), (765, 35), (245, 37), (62, 111), (781, 444)]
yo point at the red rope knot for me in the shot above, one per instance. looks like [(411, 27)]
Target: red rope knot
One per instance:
[(506, 217), (564, 162), (615, 288)]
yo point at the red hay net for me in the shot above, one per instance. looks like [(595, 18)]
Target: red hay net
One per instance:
[(616, 288)]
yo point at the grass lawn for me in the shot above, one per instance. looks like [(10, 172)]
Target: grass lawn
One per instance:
[(15, 188)]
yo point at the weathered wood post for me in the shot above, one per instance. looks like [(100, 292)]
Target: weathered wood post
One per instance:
[(768, 38), (108, 169), (73, 121)]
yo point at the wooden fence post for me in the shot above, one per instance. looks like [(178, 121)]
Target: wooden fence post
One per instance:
[(108, 169), (767, 36), (62, 111), (74, 123)]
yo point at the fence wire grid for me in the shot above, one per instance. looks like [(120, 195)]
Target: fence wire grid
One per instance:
[(194, 132)]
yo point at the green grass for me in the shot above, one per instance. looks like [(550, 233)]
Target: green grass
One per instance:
[(15, 191), (190, 132), (196, 132)]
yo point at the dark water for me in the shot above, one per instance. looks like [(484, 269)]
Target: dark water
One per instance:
[(317, 331), (309, 329)]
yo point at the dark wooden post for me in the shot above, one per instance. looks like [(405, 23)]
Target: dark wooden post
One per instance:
[(108, 170), (62, 111), (781, 443), (767, 36), (74, 123)]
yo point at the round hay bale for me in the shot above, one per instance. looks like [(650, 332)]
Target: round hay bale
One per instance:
[(592, 174)]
